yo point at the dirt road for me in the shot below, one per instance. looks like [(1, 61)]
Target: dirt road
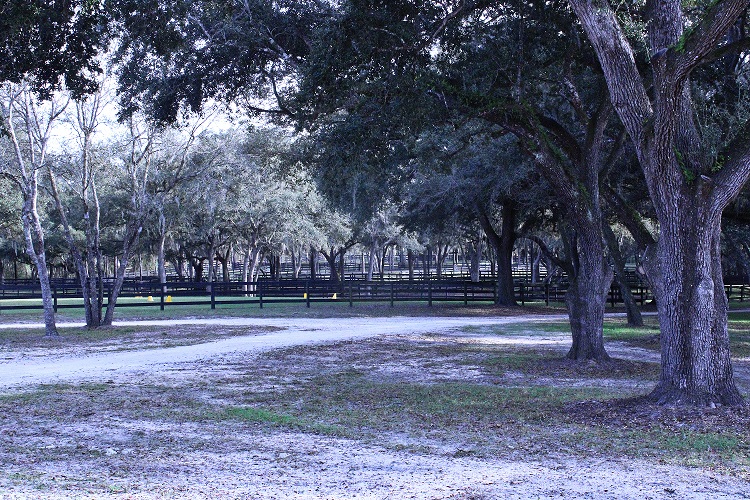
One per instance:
[(55, 367)]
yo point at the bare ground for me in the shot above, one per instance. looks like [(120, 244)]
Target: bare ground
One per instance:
[(326, 408)]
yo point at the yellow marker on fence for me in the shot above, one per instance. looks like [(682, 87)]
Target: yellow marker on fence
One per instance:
[(334, 296), (304, 295), (169, 298), (150, 299)]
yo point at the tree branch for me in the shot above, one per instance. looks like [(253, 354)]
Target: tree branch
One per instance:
[(699, 42), (563, 264), (625, 83)]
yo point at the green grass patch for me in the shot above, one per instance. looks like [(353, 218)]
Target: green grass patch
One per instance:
[(648, 335), (698, 443), (265, 416)]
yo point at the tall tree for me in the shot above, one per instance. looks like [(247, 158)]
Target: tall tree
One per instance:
[(82, 178), (28, 125), (691, 179)]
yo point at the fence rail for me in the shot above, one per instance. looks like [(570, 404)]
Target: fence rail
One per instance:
[(19, 296)]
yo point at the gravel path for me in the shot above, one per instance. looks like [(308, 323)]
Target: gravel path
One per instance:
[(113, 365)]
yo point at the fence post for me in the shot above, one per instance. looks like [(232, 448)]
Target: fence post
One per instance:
[(466, 294), (260, 293), (546, 294), (391, 293), (307, 294), (520, 292), (54, 297), (161, 296), (351, 292), (213, 297), (429, 293), (612, 296)]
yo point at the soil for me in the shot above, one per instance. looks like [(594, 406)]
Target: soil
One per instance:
[(128, 420)]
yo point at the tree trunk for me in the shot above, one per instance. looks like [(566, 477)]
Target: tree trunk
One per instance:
[(313, 261), (688, 183), (297, 265), (255, 259), (502, 244), (197, 266), (537, 259), (373, 261), (245, 267), (331, 259), (440, 258), (224, 259), (161, 263), (131, 236), (475, 260), (342, 266), (410, 260), (34, 238), (687, 282), (587, 295), (211, 270)]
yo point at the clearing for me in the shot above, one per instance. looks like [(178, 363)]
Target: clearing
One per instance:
[(377, 407)]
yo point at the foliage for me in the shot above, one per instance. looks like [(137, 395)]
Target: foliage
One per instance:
[(51, 42)]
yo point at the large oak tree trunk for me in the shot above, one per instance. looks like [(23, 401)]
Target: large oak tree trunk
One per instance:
[(695, 360), (689, 185)]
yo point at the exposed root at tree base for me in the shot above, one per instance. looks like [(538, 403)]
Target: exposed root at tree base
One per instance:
[(669, 395), (642, 413)]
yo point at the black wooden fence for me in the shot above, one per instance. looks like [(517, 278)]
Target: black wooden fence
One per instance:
[(67, 293)]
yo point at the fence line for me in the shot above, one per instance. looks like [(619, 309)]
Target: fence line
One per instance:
[(175, 294)]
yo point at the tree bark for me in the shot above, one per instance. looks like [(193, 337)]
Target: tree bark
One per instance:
[(330, 257), (161, 263), (131, 236), (245, 267), (34, 237), (372, 261), (410, 263), (313, 260), (587, 294), (689, 289)]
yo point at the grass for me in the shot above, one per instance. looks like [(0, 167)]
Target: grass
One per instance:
[(487, 417)]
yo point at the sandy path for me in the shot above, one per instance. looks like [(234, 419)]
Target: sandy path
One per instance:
[(112, 365)]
